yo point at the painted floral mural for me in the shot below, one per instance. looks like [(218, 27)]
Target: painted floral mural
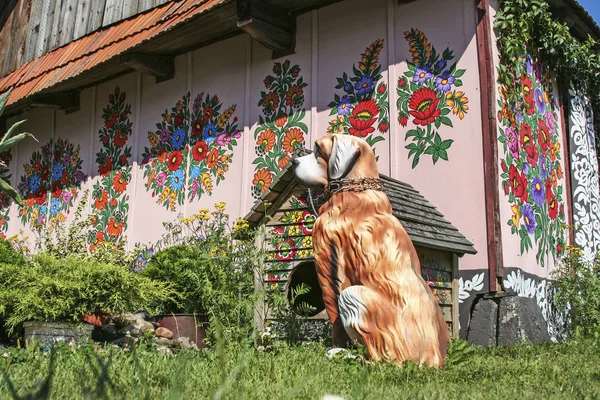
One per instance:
[(50, 184), (5, 159), (280, 130), (291, 239), (191, 150), (530, 159), (110, 201), (438, 277), (428, 96), (362, 107)]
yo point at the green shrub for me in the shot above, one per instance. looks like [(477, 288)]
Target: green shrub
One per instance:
[(9, 255), (53, 289), (212, 266), (577, 287), (192, 273)]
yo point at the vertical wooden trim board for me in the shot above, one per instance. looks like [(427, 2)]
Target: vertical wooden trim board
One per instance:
[(490, 149), (455, 305)]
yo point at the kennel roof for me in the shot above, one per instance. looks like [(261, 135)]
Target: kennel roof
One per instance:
[(425, 225)]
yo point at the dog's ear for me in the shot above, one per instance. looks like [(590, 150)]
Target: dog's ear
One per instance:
[(344, 154)]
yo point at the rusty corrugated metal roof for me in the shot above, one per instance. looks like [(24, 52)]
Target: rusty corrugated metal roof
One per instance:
[(96, 48)]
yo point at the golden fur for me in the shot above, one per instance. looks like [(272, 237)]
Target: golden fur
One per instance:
[(358, 242)]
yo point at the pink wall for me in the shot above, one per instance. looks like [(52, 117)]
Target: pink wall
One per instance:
[(330, 41)]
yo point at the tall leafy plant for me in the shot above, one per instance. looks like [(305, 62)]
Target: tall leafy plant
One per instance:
[(8, 140), (212, 265), (577, 287)]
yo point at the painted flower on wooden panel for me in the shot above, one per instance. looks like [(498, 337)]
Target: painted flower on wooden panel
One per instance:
[(438, 277), (5, 201), (291, 239), (50, 184), (427, 96), (362, 107), (530, 160), (191, 150), (110, 201), (280, 130)]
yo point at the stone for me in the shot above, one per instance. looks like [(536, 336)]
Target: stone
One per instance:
[(482, 327), (135, 330), (162, 341), (185, 343), (163, 332), (109, 329), (146, 324), (521, 320), (138, 319), (138, 315), (164, 349)]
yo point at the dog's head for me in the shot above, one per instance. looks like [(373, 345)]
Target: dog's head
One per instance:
[(336, 157)]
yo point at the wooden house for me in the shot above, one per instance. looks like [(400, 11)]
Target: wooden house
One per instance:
[(159, 108)]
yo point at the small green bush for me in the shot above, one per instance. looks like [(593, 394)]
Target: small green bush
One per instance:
[(9, 255), (53, 289), (192, 273), (577, 287), (212, 266)]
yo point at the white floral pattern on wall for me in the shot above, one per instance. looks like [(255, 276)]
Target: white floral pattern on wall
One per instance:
[(466, 286), (539, 289), (584, 176)]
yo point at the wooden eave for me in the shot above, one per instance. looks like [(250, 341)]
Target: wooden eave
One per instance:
[(161, 33)]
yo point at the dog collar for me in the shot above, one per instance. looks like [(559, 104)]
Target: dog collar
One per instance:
[(352, 185)]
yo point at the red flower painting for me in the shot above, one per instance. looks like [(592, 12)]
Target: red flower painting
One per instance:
[(423, 106), (363, 117), (361, 106), (429, 93)]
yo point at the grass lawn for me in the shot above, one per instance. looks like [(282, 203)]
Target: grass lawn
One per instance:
[(554, 371)]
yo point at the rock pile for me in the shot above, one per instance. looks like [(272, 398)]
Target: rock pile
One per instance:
[(129, 329)]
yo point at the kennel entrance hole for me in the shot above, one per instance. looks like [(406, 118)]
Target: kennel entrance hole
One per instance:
[(305, 273)]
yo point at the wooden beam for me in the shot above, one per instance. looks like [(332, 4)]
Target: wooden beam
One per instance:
[(68, 101), (273, 27), (490, 147), (161, 67)]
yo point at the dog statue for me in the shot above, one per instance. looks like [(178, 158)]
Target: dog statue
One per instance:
[(368, 268)]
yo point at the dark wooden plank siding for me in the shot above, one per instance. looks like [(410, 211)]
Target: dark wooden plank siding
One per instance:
[(68, 17), (56, 30), (112, 12), (31, 28), (96, 15), (45, 27), (82, 18)]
